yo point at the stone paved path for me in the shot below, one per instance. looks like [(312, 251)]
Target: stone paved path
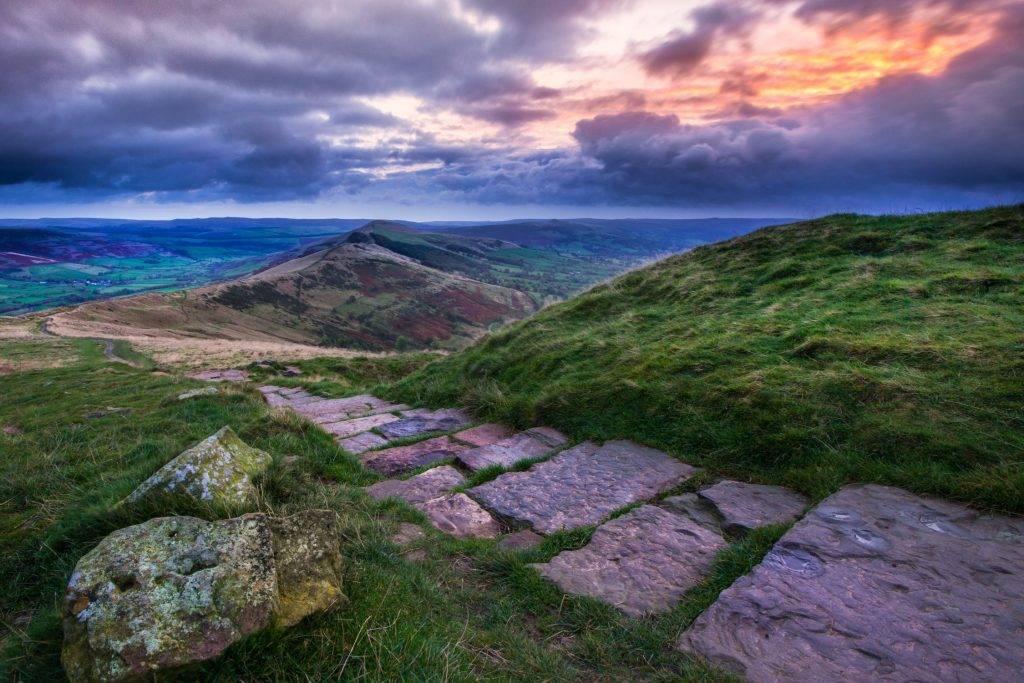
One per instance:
[(642, 562), (533, 443), (876, 584), (582, 485), (220, 375)]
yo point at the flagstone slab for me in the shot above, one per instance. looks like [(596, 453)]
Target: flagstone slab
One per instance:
[(642, 562), (421, 421), (392, 461), (221, 375), (360, 443), (582, 485), (354, 405), (459, 515), (421, 488), (743, 507), (876, 583), (359, 425), (483, 435), (533, 443)]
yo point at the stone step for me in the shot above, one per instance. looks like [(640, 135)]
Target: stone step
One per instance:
[(483, 435), (736, 508), (582, 485), (876, 583), (421, 488), (422, 421), (642, 562), (430, 492), (347, 428), (360, 443), (533, 443), (400, 459)]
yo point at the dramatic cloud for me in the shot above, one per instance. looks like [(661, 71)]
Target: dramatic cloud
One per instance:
[(790, 105)]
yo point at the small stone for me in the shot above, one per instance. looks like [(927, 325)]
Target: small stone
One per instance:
[(194, 393), (419, 489), (417, 555), (521, 540), (392, 461), (459, 515), (421, 421), (743, 507), (533, 443), (357, 426), (407, 533), (642, 562), (876, 583), (107, 412), (219, 470), (291, 371), (361, 443), (483, 435), (582, 485), (11, 430)]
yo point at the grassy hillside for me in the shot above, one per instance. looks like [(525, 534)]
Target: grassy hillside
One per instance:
[(850, 348)]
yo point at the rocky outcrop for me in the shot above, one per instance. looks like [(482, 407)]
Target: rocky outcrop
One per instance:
[(218, 470), (178, 590)]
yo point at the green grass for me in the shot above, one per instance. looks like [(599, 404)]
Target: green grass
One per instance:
[(849, 348), (468, 611)]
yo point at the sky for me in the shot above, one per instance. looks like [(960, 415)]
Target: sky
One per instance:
[(468, 109)]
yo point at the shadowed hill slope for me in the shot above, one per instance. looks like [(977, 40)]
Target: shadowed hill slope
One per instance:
[(850, 348)]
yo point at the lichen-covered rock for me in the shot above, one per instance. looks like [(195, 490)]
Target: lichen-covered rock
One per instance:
[(308, 563), (165, 593), (218, 470), (179, 590)]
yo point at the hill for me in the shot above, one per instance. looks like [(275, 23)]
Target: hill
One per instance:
[(849, 348)]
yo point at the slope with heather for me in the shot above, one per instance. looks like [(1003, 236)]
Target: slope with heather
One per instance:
[(849, 348)]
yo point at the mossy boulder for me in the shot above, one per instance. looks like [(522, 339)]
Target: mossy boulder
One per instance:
[(175, 591), (218, 470)]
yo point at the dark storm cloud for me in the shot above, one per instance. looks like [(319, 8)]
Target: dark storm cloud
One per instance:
[(261, 100)]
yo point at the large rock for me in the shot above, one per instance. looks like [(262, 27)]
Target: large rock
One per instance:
[(876, 584), (218, 470), (533, 443), (582, 485), (399, 459), (743, 507), (179, 590), (642, 562)]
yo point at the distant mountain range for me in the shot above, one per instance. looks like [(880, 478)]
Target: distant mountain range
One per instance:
[(384, 285)]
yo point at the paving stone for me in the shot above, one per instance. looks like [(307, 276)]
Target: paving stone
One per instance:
[(876, 583), (520, 540), (421, 488), (642, 562), (221, 375), (582, 485), (399, 459), (420, 421), (696, 508), (743, 507), (461, 516), (533, 443), (407, 533), (483, 435), (277, 401), (353, 405), (360, 443), (358, 425)]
